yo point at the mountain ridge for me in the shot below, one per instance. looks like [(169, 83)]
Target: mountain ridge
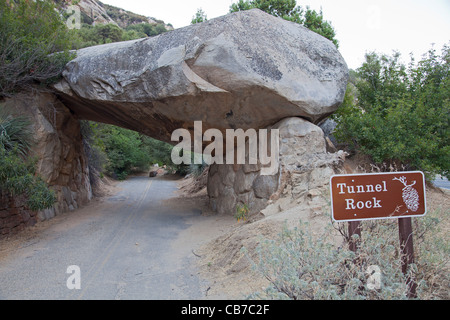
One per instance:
[(96, 12)]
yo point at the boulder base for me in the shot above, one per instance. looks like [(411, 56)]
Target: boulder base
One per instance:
[(305, 167)]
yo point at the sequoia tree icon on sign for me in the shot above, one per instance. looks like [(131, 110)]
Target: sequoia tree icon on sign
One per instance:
[(410, 195)]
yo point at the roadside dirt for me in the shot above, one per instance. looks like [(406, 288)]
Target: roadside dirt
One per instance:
[(221, 260), (214, 241), (220, 239), (32, 234)]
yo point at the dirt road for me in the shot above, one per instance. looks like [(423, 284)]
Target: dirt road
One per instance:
[(135, 244)]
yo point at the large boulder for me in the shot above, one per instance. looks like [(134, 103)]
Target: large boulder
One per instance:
[(243, 70)]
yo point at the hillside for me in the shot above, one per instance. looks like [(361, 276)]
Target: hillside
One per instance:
[(95, 12)]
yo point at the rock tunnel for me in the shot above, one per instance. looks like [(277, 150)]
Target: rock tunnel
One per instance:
[(247, 70), (243, 70)]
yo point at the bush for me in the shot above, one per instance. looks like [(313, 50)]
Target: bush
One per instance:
[(299, 265), (125, 152), (146, 29), (91, 35), (18, 177), (34, 44), (400, 115), (161, 152), (288, 10), (15, 132), (119, 152), (95, 151)]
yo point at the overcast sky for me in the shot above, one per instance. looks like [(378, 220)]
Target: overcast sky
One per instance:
[(408, 26)]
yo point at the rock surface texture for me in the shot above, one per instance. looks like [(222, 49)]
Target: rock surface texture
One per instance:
[(243, 70), (61, 160), (305, 167)]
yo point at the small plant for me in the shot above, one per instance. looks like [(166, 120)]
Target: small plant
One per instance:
[(241, 212), (18, 177)]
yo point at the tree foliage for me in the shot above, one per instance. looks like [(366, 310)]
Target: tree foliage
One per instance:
[(303, 263), (400, 114), (314, 21), (34, 44), (15, 132), (118, 152), (288, 10), (124, 150)]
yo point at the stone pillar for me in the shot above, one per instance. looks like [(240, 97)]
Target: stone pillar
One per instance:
[(229, 185), (305, 165), (59, 149)]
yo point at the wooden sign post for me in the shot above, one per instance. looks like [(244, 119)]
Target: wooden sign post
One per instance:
[(407, 252), (353, 229), (394, 195)]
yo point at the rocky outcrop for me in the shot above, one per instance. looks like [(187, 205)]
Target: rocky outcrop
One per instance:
[(305, 167), (244, 70), (95, 11), (61, 159)]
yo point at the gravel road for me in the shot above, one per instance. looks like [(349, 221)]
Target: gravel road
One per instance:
[(126, 247)]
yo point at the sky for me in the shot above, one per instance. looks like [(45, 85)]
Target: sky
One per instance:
[(362, 26)]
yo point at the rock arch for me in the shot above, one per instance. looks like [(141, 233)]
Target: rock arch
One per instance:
[(244, 70)]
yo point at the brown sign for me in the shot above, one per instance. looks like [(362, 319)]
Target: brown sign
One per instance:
[(377, 196)]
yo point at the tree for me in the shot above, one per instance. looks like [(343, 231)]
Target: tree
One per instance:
[(400, 115), (288, 10), (89, 35), (109, 33), (314, 21), (124, 151), (34, 44), (200, 16)]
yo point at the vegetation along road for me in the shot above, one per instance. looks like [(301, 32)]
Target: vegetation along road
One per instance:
[(126, 247)]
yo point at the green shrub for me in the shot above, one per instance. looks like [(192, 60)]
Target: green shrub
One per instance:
[(196, 169), (91, 35), (160, 152), (400, 114), (200, 16), (18, 177), (124, 150), (300, 265), (15, 132), (241, 212), (17, 172), (34, 44), (288, 10), (119, 152)]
